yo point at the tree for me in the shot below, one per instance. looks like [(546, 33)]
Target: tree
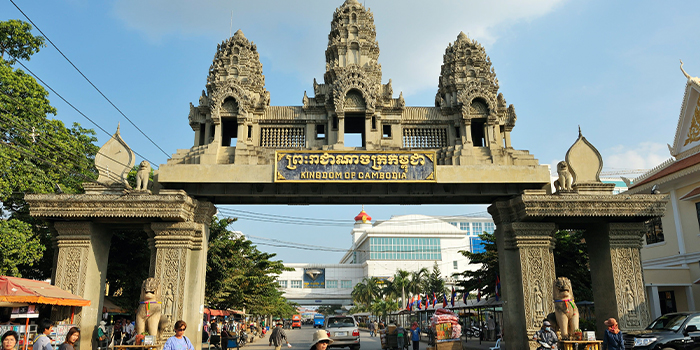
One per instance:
[(435, 282), (484, 278), (238, 274), (365, 292), (37, 154), (570, 260), (328, 310), (418, 281)]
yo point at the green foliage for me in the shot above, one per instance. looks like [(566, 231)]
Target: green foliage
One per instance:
[(435, 283), (19, 246), (17, 41), (56, 157), (328, 310), (485, 276), (240, 276), (131, 176), (570, 260), (129, 263)]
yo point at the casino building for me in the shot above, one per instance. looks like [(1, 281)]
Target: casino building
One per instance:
[(379, 249)]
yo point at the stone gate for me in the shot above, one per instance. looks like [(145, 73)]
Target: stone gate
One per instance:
[(246, 151)]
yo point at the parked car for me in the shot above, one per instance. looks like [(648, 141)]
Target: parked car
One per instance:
[(344, 332), (673, 331)]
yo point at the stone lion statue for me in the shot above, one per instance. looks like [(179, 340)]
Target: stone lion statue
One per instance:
[(565, 315), (148, 314), (142, 176), (565, 181)]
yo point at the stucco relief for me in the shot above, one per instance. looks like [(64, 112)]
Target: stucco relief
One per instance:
[(625, 243)]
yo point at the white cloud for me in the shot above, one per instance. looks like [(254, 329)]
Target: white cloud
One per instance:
[(412, 34), (645, 155)]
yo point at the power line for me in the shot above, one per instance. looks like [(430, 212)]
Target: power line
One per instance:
[(77, 110), (88, 80)]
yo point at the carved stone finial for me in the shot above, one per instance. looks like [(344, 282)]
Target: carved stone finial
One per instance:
[(683, 70), (463, 37), (585, 164), (305, 100), (113, 162), (239, 35)]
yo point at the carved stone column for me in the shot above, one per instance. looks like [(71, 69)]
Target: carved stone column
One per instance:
[(616, 272), (341, 129), (527, 271), (81, 268), (180, 265)]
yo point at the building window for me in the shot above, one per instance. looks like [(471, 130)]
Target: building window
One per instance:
[(385, 248), (655, 233), (453, 224), (331, 284), (489, 227), (454, 265), (697, 209), (347, 284), (282, 283), (464, 226), (386, 131), (296, 283), (477, 228), (477, 245), (320, 131)]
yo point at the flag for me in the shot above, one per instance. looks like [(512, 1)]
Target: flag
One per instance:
[(408, 305), (444, 300), (452, 298), (420, 301), (434, 299), (413, 301), (464, 298), (498, 287)]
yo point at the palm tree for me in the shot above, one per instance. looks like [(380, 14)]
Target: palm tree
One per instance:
[(418, 282), (366, 291), (400, 283)]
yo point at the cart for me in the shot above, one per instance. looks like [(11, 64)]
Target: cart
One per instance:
[(390, 341)]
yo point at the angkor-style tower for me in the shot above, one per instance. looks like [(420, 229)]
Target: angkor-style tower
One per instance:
[(235, 124)]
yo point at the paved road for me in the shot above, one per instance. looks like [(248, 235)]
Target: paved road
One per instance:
[(301, 340)]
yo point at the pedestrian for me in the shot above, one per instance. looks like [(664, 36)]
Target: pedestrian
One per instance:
[(277, 336), (491, 328), (179, 341), (415, 335), (400, 336), (613, 339), (42, 340), (9, 340), (320, 340), (370, 326), (72, 337), (102, 335), (546, 337), (376, 327)]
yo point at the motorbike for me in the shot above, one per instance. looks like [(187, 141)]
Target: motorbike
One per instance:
[(243, 338), (471, 332)]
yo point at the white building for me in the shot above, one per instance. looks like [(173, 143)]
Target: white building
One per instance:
[(407, 242)]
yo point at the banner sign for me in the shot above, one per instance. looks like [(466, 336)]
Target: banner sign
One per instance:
[(355, 166), (314, 278)]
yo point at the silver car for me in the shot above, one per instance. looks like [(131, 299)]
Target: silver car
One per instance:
[(344, 332)]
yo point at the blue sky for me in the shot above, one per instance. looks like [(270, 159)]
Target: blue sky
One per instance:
[(609, 66)]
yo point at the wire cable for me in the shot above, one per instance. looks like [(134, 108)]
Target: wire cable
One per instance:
[(88, 80), (79, 112)]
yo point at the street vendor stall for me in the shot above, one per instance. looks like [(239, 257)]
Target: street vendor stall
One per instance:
[(23, 295)]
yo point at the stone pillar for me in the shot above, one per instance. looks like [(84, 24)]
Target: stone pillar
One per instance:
[(196, 128), (616, 274), (207, 133), (81, 268), (527, 276), (467, 132), (341, 129), (507, 136), (180, 267)]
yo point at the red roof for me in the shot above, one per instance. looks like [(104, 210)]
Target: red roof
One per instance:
[(675, 167), (362, 216), (692, 193), (22, 290)]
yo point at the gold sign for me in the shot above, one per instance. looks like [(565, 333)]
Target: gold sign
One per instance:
[(355, 166)]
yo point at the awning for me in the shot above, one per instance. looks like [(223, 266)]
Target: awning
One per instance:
[(21, 290), (112, 308)]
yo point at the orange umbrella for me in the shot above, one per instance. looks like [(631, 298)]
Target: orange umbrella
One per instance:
[(22, 290)]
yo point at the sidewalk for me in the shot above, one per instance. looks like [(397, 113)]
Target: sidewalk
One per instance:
[(473, 344)]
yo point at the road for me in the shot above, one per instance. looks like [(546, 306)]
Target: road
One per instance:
[(301, 340)]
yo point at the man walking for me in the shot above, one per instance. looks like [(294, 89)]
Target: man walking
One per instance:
[(370, 326), (277, 336), (376, 327)]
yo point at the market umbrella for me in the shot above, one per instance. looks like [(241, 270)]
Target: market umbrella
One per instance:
[(22, 290)]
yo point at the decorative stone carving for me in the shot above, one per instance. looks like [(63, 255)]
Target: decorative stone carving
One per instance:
[(113, 162), (565, 180), (150, 310), (566, 313), (142, 176)]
